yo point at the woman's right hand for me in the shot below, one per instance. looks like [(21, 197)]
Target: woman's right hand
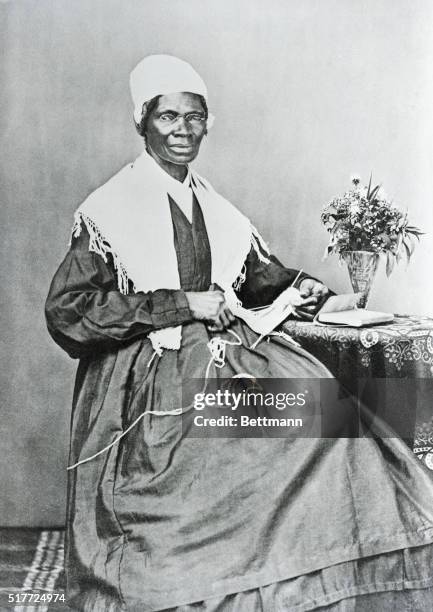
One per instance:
[(210, 306)]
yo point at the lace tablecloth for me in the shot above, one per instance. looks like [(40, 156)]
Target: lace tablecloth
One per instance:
[(402, 349)]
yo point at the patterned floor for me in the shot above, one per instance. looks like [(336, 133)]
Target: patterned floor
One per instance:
[(31, 570)]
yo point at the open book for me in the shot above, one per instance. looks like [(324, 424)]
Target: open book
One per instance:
[(342, 310)]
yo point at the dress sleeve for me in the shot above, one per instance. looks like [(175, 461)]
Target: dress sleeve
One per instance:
[(261, 282), (85, 311)]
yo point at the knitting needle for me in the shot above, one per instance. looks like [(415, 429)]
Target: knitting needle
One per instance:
[(297, 277)]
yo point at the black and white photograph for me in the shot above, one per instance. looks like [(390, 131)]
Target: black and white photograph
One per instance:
[(217, 304)]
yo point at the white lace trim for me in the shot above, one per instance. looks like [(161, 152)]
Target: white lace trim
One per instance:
[(259, 245), (98, 244), (240, 279)]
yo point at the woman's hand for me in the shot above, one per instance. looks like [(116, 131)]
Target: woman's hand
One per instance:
[(210, 306), (312, 291)]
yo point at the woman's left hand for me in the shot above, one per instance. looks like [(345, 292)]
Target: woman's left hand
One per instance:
[(312, 291)]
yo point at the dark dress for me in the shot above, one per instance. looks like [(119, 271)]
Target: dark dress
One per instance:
[(162, 521)]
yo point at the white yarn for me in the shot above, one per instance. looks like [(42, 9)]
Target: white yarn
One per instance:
[(217, 349)]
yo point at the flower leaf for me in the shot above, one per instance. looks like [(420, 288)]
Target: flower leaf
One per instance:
[(373, 193), (408, 251), (369, 185), (410, 243)]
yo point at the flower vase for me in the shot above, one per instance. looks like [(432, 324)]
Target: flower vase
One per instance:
[(362, 267)]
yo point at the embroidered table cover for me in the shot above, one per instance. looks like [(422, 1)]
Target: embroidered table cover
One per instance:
[(399, 350)]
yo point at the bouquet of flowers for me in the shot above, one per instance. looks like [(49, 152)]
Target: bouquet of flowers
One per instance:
[(364, 219)]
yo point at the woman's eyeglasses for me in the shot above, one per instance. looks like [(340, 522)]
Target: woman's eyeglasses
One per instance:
[(194, 119)]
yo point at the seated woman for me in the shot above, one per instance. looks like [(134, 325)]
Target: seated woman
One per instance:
[(158, 520)]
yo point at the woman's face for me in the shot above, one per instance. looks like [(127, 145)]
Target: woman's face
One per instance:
[(175, 128)]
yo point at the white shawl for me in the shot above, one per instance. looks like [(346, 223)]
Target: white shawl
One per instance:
[(129, 217)]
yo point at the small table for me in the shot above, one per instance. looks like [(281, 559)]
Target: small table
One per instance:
[(399, 350)]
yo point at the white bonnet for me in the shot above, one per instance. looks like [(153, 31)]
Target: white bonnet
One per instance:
[(159, 75)]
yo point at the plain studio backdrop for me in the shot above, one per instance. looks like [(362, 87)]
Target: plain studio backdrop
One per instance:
[(304, 93)]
